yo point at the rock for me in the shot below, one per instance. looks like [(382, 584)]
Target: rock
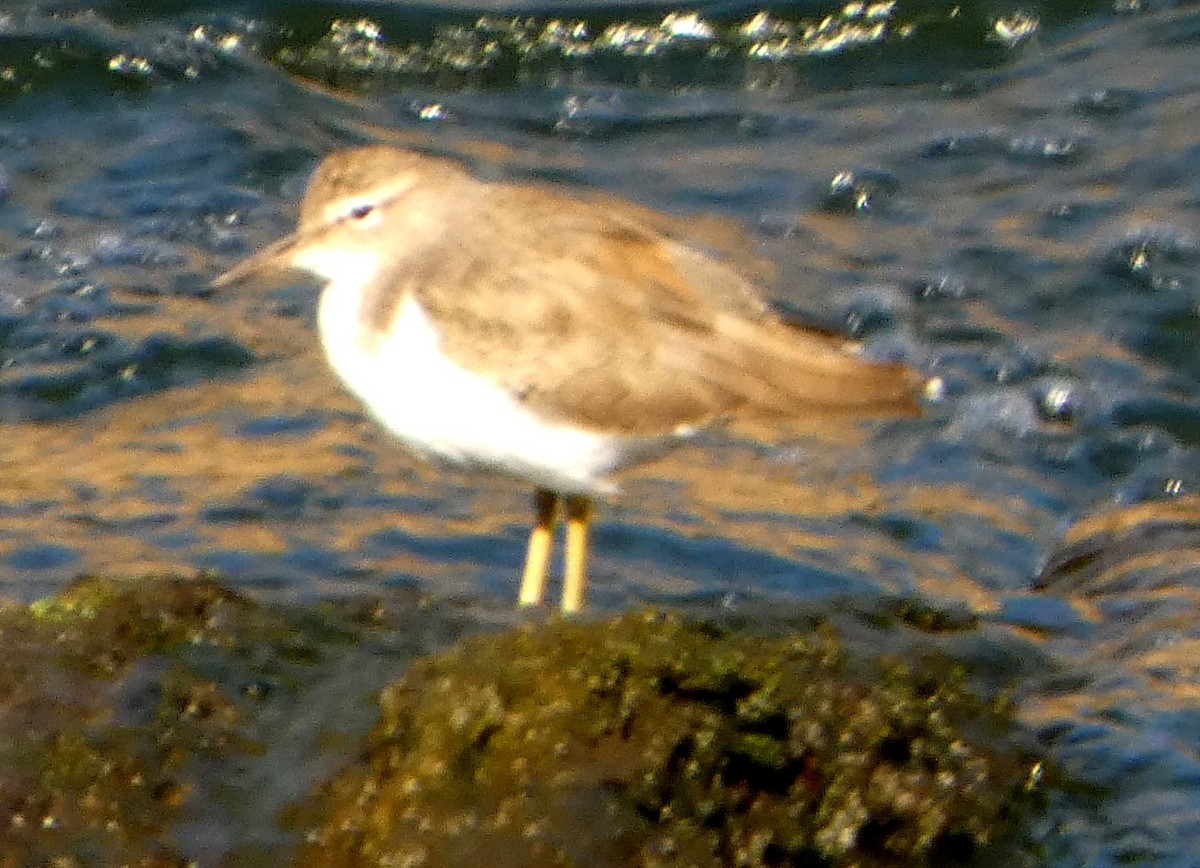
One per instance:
[(655, 741)]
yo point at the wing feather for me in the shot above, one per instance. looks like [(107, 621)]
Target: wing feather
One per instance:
[(593, 315)]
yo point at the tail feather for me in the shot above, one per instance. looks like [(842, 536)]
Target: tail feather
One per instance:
[(783, 374)]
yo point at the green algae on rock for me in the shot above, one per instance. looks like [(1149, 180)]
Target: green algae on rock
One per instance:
[(88, 773), (135, 711), (103, 624), (133, 707), (654, 741)]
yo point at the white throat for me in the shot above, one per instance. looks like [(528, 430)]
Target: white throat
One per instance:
[(344, 269)]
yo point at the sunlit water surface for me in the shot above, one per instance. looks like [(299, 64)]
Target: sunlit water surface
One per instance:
[(1005, 196)]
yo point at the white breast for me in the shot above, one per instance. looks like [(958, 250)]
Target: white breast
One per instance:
[(442, 410)]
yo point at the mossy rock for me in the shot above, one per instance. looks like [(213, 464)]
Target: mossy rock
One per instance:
[(130, 705), (88, 774), (655, 741)]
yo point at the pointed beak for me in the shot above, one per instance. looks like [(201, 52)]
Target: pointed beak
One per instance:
[(271, 260)]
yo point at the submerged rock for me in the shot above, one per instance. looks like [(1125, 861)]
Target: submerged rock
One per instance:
[(653, 741), (163, 721), (92, 756)]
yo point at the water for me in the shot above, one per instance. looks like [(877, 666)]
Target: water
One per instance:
[(1003, 195)]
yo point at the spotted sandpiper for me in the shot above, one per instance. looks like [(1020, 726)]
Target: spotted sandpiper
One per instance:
[(550, 337)]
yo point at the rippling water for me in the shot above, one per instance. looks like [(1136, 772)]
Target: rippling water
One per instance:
[(1003, 195)]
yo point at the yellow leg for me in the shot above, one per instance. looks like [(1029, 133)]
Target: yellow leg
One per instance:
[(537, 558), (579, 515)]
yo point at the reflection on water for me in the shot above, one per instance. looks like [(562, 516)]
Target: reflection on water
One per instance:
[(1003, 197)]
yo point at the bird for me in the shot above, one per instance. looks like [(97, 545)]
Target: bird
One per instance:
[(550, 335)]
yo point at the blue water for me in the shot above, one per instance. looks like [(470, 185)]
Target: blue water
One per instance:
[(1005, 196)]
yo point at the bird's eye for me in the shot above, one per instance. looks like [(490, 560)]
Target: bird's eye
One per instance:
[(360, 211)]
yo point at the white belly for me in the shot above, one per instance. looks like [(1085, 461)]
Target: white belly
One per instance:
[(443, 411)]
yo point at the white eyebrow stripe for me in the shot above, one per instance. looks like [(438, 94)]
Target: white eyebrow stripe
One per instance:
[(341, 210)]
